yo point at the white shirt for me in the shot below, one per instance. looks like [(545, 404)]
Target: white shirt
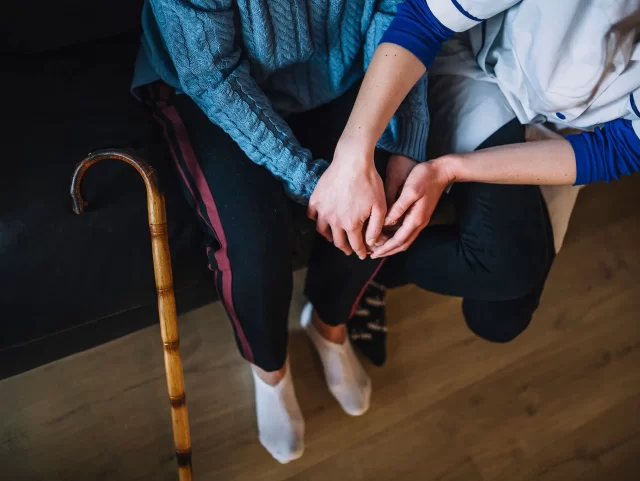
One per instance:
[(546, 57)]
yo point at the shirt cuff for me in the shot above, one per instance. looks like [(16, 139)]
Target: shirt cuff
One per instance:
[(417, 29), (607, 153), (582, 152), (303, 182), (406, 136)]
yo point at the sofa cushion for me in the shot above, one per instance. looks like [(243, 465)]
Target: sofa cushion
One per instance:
[(59, 270), (37, 26)]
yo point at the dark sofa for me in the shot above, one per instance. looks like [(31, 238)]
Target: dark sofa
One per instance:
[(69, 282)]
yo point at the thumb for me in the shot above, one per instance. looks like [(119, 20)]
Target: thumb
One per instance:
[(407, 197), (374, 228)]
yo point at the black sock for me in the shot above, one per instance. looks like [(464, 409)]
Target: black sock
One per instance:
[(368, 328)]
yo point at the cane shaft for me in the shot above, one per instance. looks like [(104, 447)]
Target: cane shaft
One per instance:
[(166, 296), (171, 343)]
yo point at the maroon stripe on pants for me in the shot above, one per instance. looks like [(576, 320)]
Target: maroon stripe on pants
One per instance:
[(221, 255), (364, 288), (174, 155)]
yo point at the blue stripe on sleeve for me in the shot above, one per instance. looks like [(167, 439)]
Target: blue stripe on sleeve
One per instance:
[(606, 153), (634, 107), (464, 12), (418, 30)]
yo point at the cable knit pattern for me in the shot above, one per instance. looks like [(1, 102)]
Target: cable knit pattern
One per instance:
[(247, 63)]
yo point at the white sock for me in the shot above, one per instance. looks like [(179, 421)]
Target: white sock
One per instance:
[(280, 421), (347, 379)]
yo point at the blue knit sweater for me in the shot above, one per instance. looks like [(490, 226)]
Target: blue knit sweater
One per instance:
[(248, 63)]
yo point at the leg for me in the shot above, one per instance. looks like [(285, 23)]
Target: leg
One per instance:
[(248, 217), (334, 281), (497, 256)]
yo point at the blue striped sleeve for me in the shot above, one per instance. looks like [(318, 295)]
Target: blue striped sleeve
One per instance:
[(418, 30), (606, 153)]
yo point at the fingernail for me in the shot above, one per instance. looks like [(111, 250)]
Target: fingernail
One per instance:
[(374, 256)]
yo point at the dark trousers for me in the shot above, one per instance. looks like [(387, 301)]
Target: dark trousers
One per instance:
[(496, 256)]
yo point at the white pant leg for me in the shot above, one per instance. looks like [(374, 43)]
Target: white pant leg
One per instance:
[(465, 104), (464, 112)]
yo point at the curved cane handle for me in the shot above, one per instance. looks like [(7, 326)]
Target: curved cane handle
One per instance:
[(164, 287), (155, 199)]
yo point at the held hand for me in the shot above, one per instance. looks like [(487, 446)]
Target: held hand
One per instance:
[(349, 194), (417, 201), (398, 169)]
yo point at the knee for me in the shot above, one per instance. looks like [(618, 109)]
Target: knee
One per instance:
[(498, 332), (497, 327), (259, 259), (509, 271), (266, 268), (518, 276)]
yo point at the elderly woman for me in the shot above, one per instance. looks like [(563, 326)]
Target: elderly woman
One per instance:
[(253, 95)]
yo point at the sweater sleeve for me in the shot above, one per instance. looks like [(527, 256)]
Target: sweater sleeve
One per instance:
[(422, 26), (200, 38), (408, 129), (608, 152)]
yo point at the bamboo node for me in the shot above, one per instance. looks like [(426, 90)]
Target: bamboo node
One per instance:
[(171, 345), (158, 229), (177, 401), (183, 457)]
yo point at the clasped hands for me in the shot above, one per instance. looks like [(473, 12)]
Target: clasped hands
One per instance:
[(358, 213)]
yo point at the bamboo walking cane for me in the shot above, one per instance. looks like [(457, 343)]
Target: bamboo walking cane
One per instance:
[(164, 287)]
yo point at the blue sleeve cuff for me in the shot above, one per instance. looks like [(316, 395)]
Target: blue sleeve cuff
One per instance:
[(606, 153), (406, 136), (417, 29)]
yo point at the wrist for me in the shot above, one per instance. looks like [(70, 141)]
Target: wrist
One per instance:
[(447, 169), (354, 151)]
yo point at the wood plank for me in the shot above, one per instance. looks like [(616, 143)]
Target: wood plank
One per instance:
[(561, 402)]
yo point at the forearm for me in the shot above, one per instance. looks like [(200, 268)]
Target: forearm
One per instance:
[(604, 154), (408, 48), (391, 75), (211, 70), (548, 162), (242, 110)]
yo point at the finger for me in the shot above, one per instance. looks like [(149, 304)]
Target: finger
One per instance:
[(404, 246), (357, 242), (408, 231), (323, 228), (399, 238), (340, 241), (415, 220), (407, 197), (382, 238), (374, 227), (312, 212)]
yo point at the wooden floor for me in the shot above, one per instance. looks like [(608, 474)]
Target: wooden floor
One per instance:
[(560, 403)]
